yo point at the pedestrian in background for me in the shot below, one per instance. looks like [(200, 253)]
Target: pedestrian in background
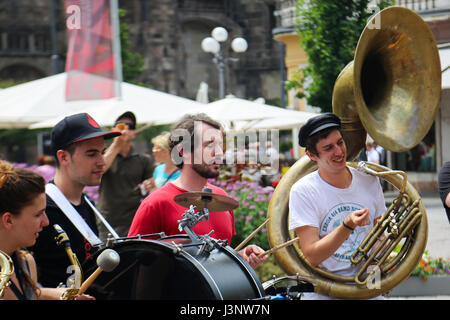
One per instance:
[(122, 187), (165, 170)]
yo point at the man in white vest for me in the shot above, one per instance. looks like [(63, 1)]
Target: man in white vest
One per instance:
[(78, 145)]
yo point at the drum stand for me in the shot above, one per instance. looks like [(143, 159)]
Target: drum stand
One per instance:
[(190, 219)]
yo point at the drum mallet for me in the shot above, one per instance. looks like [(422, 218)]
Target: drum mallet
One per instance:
[(288, 243), (107, 261)]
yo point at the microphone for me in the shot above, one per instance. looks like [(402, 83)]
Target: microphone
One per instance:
[(107, 261)]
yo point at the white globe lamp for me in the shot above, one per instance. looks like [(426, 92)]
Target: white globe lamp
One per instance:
[(220, 34), (210, 44), (239, 45)]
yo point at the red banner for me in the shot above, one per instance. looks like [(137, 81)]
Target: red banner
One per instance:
[(90, 58)]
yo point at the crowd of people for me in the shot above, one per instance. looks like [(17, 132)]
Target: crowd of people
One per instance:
[(137, 196), (124, 177)]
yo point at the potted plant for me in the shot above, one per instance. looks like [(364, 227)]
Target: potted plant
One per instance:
[(431, 277)]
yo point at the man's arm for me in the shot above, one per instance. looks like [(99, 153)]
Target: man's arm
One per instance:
[(116, 147), (317, 250)]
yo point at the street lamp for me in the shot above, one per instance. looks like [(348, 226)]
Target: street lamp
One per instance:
[(212, 45)]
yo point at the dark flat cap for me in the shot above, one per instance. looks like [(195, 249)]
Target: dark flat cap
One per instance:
[(316, 124)]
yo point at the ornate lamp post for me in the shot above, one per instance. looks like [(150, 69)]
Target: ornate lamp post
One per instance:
[(212, 45)]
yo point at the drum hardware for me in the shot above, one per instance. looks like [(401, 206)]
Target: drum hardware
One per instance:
[(110, 241), (177, 247), (250, 236), (204, 201), (294, 291), (190, 219)]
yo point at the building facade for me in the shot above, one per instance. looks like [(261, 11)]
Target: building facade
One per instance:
[(167, 34)]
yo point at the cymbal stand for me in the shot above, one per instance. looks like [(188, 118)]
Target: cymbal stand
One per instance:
[(190, 219)]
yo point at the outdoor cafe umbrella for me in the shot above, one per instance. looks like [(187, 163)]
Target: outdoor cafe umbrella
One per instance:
[(42, 103)]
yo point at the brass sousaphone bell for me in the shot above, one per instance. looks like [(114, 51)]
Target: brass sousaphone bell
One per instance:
[(392, 91)]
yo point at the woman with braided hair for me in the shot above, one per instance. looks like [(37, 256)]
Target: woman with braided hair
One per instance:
[(22, 217)]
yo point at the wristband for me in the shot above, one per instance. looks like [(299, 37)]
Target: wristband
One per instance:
[(348, 227)]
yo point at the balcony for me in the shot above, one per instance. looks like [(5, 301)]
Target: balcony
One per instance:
[(285, 16), (286, 10), (426, 7)]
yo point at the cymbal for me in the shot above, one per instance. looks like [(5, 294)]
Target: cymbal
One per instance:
[(213, 202)]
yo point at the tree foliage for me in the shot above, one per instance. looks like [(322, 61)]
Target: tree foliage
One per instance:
[(328, 32), (132, 62)]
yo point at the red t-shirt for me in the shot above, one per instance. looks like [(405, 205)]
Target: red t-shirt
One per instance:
[(159, 213)]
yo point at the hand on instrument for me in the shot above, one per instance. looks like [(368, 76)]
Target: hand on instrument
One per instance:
[(358, 218), (68, 294), (250, 254), (84, 297)]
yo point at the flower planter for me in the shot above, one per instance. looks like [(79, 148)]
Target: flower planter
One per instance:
[(416, 286)]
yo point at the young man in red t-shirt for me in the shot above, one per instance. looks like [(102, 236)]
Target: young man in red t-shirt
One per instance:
[(196, 147)]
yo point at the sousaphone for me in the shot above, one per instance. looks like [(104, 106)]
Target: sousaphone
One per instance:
[(391, 90)]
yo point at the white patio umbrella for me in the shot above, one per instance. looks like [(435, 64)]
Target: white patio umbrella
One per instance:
[(43, 101), (237, 109), (281, 123), (239, 115)]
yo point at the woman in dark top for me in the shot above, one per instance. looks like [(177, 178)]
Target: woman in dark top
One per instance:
[(22, 217)]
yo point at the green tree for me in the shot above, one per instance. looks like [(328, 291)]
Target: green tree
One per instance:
[(328, 32), (132, 62)]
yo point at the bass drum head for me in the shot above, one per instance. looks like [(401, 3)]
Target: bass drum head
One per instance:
[(170, 269)]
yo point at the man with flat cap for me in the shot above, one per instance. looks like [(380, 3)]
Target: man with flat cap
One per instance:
[(333, 208), (78, 145)]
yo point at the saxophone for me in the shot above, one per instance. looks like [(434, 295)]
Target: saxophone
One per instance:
[(63, 239), (6, 269)]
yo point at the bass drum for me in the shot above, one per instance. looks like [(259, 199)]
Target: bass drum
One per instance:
[(172, 268)]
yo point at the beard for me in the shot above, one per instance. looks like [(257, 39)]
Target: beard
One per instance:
[(205, 171)]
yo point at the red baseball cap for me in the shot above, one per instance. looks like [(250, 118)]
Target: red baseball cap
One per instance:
[(76, 128)]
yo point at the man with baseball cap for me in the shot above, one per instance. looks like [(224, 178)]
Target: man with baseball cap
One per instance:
[(78, 145), (333, 208)]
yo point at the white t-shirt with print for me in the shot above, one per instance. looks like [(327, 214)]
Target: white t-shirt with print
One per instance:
[(314, 202)]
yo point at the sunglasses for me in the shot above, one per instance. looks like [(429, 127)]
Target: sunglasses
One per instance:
[(130, 125)]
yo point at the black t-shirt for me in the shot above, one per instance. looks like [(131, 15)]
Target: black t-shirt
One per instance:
[(51, 259), (444, 185)]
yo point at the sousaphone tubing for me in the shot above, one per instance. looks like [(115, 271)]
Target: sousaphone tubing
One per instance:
[(391, 90)]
